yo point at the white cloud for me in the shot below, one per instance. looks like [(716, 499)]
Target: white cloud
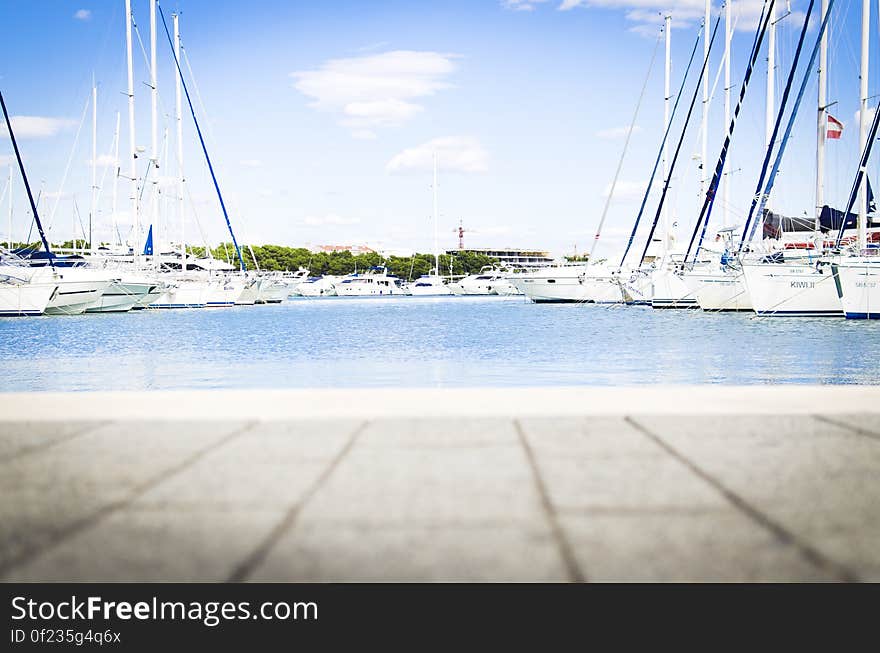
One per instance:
[(626, 191), (521, 5), (6, 159), (375, 90), (35, 126), (329, 219), (83, 14), (614, 133), (455, 153), (251, 163)]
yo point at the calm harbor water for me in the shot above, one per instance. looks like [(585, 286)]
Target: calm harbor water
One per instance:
[(443, 342)]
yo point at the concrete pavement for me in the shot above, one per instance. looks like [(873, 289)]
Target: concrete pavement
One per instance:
[(630, 484)]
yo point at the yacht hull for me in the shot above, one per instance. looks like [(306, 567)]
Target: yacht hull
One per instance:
[(272, 292), (556, 290), (429, 285), (792, 290), (720, 291), (858, 285), (74, 297), (118, 298), (223, 293), (25, 299), (671, 292), (249, 294), (183, 294)]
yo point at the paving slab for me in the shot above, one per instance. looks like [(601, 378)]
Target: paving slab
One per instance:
[(698, 546), (154, 545), (356, 552), (62, 487), (20, 438)]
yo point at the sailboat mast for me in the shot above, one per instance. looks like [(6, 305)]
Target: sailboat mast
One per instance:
[(9, 242), (728, 37), (94, 161), (27, 185), (822, 120), (115, 176), (666, 97), (131, 134), (863, 118), (436, 215), (704, 150), (771, 81), (178, 116), (154, 135)]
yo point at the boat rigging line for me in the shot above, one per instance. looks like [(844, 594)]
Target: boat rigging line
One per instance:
[(680, 140), (202, 141), (709, 200), (662, 144), (625, 146), (761, 198), (27, 184)]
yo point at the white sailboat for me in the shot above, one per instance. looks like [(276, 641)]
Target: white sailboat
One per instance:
[(796, 282), (432, 284), (859, 286), (858, 276)]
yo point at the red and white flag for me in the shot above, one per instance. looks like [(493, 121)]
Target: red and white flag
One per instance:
[(834, 128)]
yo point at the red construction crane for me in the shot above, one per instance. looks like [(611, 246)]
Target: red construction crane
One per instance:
[(461, 232)]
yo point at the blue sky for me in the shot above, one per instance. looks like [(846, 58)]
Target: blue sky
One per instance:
[(322, 117)]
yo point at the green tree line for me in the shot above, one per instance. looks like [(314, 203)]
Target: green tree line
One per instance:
[(281, 258)]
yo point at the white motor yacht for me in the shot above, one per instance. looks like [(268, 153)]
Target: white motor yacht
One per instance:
[(477, 284), (78, 288), (294, 279), (317, 287), (376, 282), (429, 285), (556, 284), (20, 297), (273, 289)]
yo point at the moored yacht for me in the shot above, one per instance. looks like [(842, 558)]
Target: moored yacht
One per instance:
[(19, 297), (858, 286), (317, 287), (224, 291), (429, 285), (375, 282), (482, 283), (273, 289), (183, 292), (793, 289)]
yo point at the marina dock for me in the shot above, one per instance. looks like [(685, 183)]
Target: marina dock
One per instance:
[(705, 483)]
